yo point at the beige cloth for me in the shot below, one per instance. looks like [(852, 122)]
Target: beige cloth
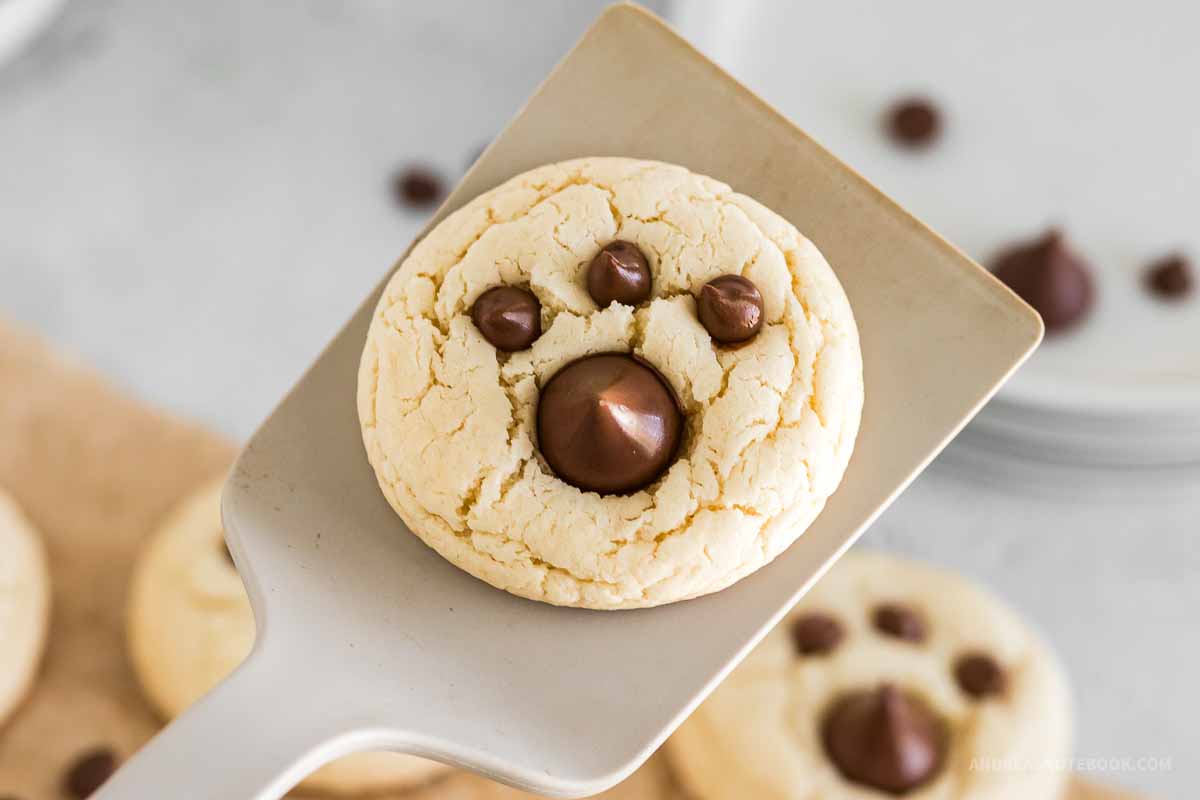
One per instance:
[(95, 471)]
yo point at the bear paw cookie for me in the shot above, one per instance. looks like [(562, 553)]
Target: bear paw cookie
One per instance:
[(889, 678), (611, 383)]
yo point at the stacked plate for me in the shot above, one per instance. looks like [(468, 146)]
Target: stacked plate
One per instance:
[(1053, 115), (1114, 393)]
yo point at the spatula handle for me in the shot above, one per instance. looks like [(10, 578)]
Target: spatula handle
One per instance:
[(251, 738)]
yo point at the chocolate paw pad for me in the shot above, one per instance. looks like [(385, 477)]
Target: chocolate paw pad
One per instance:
[(610, 423), (611, 383)]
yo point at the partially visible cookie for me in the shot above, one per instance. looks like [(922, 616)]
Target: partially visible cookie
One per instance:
[(190, 624), (24, 604), (889, 678)]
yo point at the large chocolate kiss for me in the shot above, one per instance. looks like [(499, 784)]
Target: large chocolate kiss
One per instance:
[(608, 423), (884, 739), (1050, 277)]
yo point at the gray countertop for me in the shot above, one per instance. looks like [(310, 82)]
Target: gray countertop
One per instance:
[(193, 197)]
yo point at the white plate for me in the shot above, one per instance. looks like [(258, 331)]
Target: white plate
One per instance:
[(1069, 438), (1079, 114)]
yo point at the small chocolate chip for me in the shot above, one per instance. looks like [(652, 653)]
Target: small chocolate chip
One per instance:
[(816, 633), (1170, 277), (619, 273), (89, 772), (900, 621), (979, 675), (1049, 276), (509, 317), (417, 186), (914, 122), (730, 309)]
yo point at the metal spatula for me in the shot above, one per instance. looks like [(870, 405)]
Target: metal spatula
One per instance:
[(369, 639)]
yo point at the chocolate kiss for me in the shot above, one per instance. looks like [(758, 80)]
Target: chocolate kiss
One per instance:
[(884, 739), (1050, 277), (608, 423)]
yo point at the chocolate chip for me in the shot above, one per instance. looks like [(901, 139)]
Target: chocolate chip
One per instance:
[(914, 122), (417, 186), (619, 273), (509, 317), (884, 739), (816, 633), (1050, 277), (1170, 277), (89, 772), (730, 309), (608, 423), (900, 621), (979, 675)]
